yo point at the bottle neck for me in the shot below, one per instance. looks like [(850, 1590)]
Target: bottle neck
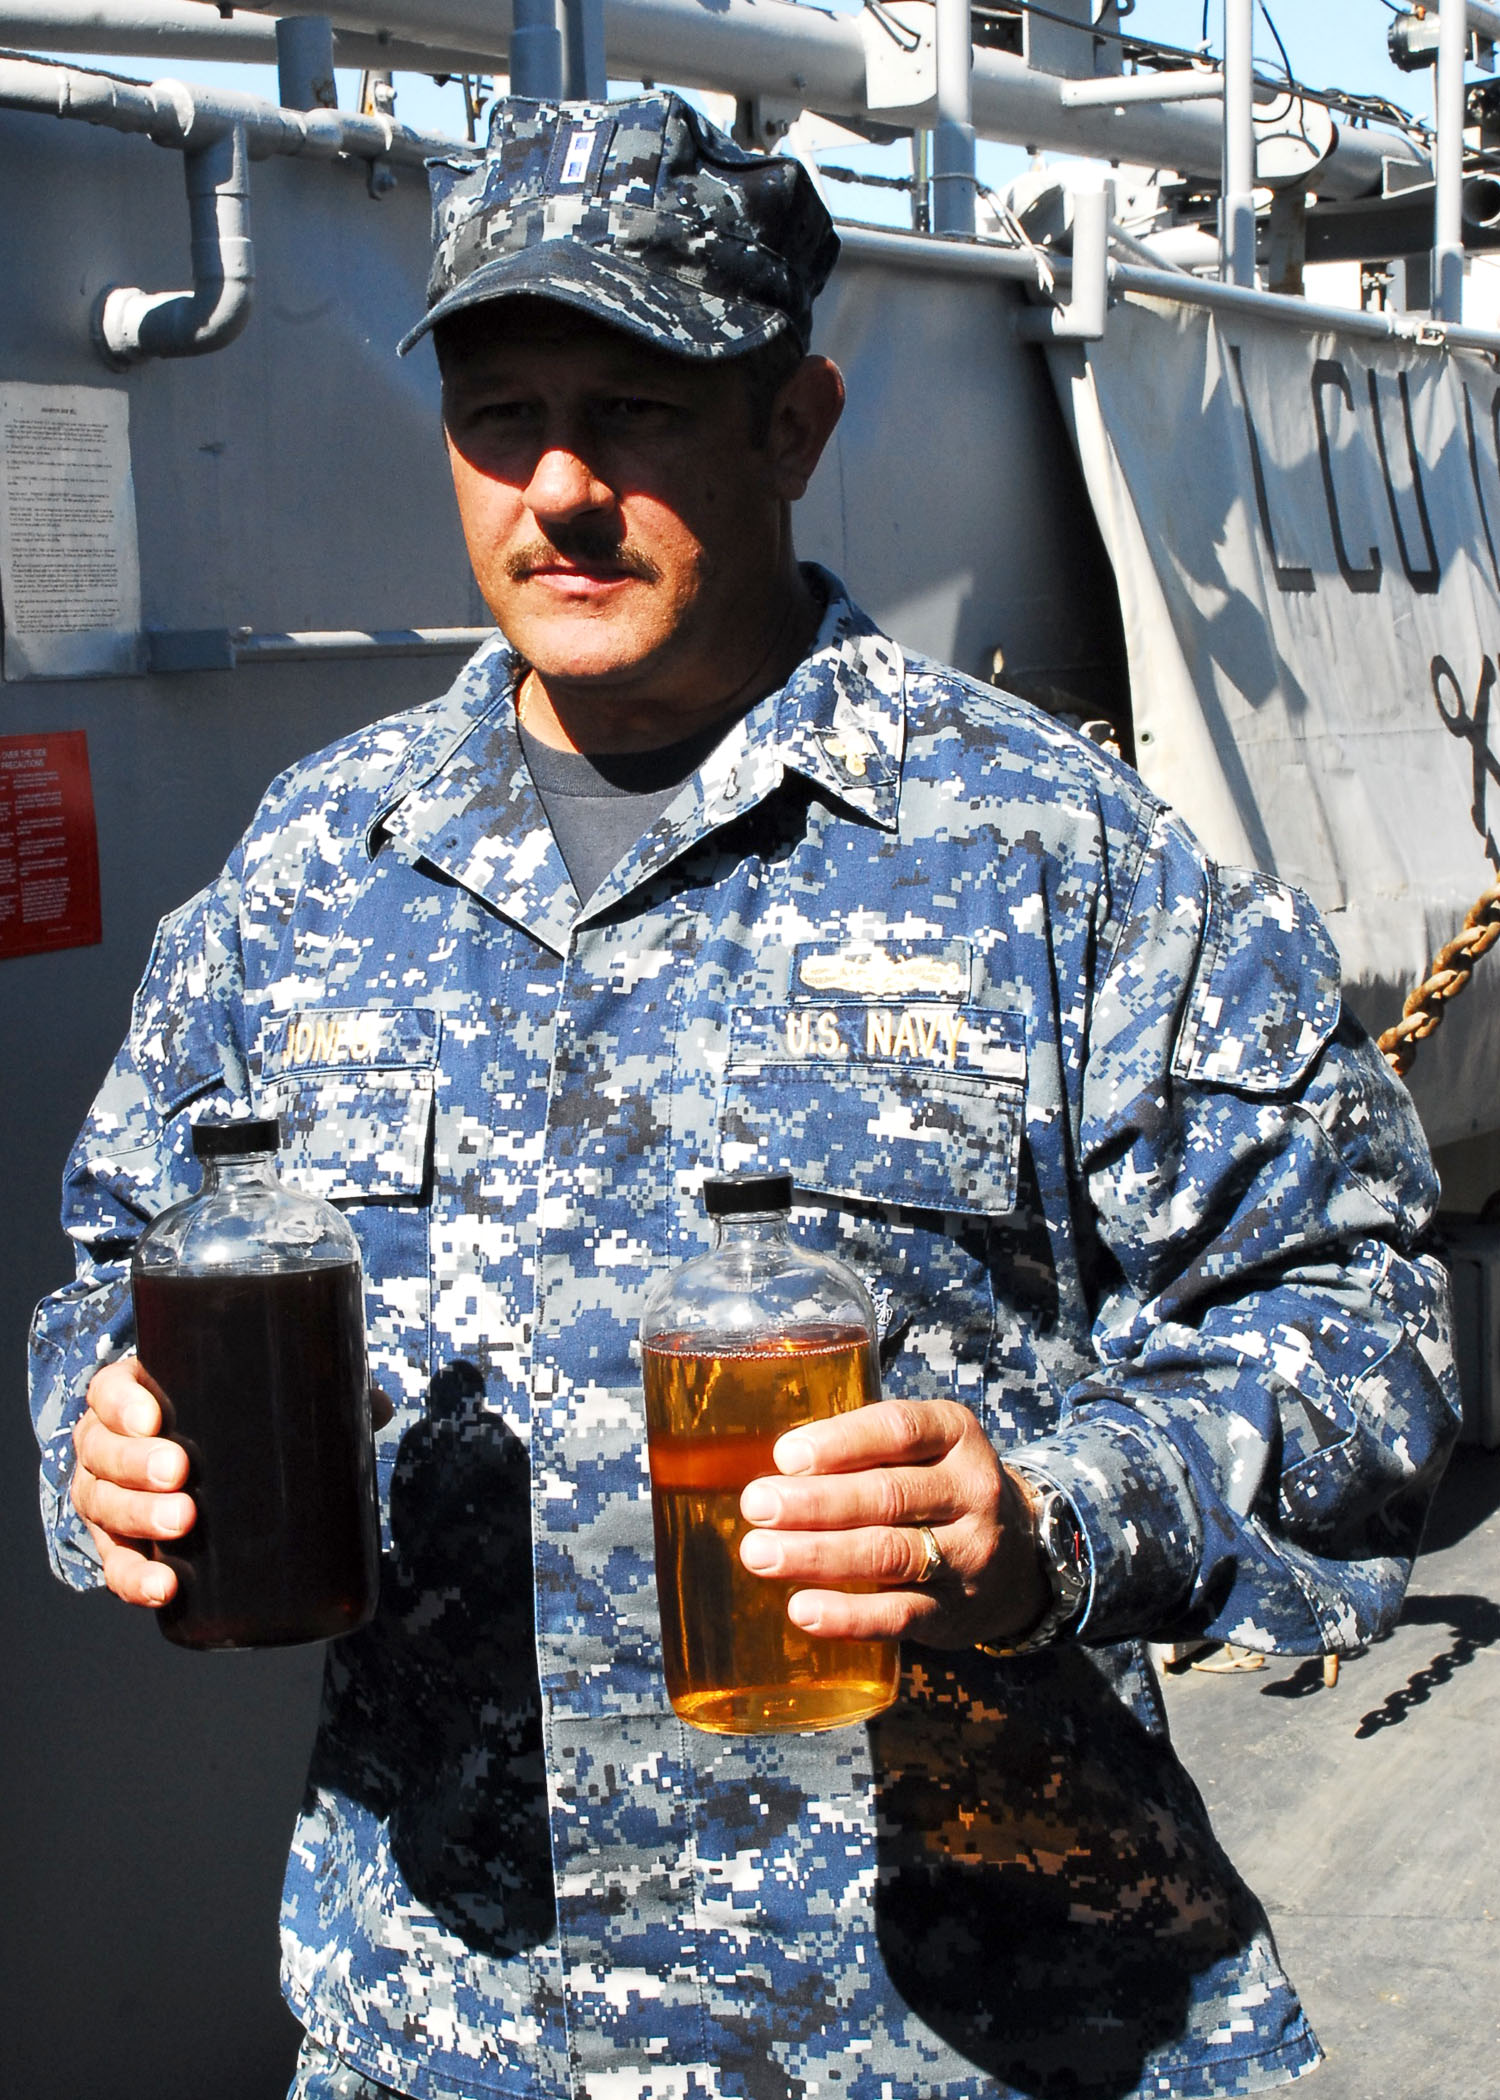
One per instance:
[(243, 1170), (751, 1228)]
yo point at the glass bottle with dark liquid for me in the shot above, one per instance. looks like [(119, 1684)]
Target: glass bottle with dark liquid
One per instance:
[(249, 1311), (740, 1345)]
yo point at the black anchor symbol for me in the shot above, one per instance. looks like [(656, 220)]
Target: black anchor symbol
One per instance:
[(1474, 728)]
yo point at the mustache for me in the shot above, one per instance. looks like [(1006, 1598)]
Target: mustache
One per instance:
[(588, 550)]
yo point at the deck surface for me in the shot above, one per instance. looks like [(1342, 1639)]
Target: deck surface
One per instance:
[(1367, 1819)]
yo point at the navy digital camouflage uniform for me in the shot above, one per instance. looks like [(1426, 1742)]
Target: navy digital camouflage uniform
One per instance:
[(1122, 1176)]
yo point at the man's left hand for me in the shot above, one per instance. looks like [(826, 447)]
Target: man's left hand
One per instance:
[(850, 1503)]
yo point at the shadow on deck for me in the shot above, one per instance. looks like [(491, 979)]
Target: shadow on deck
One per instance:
[(1367, 1818)]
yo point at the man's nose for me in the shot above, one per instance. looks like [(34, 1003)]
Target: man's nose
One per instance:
[(563, 485)]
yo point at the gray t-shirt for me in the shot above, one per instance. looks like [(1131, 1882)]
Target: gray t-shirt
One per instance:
[(599, 804)]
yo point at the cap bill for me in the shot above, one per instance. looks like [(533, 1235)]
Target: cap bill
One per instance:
[(663, 309)]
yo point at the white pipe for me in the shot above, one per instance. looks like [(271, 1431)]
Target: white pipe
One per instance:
[(1187, 86), (132, 325), (1448, 228), (1154, 258), (1237, 229), (1178, 248), (953, 133), (245, 646), (174, 114), (137, 28), (942, 258), (169, 30), (1142, 87)]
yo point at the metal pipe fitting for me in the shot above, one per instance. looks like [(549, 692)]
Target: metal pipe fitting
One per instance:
[(219, 131), (304, 62), (173, 114), (953, 133), (1237, 231), (1081, 319), (131, 325), (1448, 229), (1481, 201), (536, 50), (585, 68)]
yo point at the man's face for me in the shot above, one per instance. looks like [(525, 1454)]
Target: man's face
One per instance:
[(625, 529)]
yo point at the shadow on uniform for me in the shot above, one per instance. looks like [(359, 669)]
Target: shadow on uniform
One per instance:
[(1055, 1941), (453, 1757), (1045, 1902)]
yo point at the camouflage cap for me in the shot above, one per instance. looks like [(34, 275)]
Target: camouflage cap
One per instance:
[(640, 213)]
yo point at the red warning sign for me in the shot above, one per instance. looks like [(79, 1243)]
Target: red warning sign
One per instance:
[(49, 848)]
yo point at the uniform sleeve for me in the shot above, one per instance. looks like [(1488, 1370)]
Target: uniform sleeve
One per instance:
[(132, 1160), (1274, 1399)]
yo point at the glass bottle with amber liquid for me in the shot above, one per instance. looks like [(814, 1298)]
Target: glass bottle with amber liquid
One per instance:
[(740, 1345), (249, 1310)]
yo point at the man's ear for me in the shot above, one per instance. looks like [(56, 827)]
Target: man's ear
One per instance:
[(803, 417)]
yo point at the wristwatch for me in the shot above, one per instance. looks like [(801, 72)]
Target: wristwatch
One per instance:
[(1063, 1555)]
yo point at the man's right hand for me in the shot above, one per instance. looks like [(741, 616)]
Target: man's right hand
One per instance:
[(127, 1483)]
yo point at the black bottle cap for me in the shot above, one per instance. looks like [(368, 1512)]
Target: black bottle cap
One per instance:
[(729, 1195), (229, 1140)]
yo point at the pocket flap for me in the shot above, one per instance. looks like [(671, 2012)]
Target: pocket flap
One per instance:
[(939, 1131), (353, 1088)]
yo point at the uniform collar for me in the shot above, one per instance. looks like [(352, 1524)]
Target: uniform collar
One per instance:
[(463, 797), (840, 719)]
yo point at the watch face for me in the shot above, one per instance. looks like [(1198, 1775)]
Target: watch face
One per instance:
[(1063, 1550)]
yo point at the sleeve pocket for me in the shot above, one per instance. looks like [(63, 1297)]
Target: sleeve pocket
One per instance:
[(1265, 996), (181, 1033)]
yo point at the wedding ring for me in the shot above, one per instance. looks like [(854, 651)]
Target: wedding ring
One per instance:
[(934, 1563)]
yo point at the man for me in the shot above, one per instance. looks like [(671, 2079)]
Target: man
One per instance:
[(694, 870)]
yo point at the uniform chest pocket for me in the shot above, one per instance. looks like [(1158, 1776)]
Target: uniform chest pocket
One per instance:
[(921, 1106), (353, 1088)]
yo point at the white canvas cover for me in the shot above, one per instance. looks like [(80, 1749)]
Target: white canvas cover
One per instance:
[(1306, 533)]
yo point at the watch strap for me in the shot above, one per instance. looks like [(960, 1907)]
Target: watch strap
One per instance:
[(1063, 1555)]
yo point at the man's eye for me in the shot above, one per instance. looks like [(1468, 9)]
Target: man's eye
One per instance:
[(635, 408), (500, 411)]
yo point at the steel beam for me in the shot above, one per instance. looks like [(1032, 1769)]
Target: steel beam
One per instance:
[(798, 54), (815, 58)]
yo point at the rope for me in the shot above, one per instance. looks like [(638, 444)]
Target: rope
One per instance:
[(1451, 970)]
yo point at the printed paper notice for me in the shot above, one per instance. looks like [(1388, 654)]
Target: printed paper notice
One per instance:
[(70, 583), (49, 849)]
